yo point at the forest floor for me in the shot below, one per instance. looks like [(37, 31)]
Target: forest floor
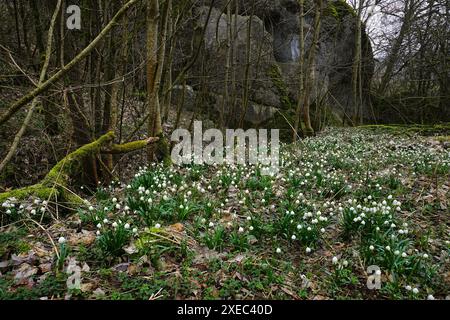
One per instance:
[(343, 201)]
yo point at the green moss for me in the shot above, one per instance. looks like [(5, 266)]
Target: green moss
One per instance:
[(339, 9), (56, 181), (37, 190), (60, 173), (128, 147), (164, 150), (443, 138), (275, 75), (442, 129)]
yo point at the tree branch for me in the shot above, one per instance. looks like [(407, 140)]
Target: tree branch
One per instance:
[(16, 106)]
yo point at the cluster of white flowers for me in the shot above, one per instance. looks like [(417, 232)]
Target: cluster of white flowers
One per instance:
[(115, 224), (9, 203), (413, 290)]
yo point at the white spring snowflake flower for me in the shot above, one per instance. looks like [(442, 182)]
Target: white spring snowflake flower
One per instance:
[(371, 248), (425, 256), (408, 288), (211, 224), (115, 225), (157, 226), (308, 250), (61, 240), (293, 237), (240, 230), (127, 226), (278, 250), (430, 297), (335, 260), (415, 291), (135, 230), (99, 226)]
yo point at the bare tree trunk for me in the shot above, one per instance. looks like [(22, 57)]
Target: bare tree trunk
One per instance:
[(310, 74), (356, 68), (153, 83), (167, 93), (16, 20), (301, 71), (17, 105), (247, 67), (392, 58), (227, 69), (42, 76)]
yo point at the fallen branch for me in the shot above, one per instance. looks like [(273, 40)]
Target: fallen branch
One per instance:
[(130, 146), (55, 183), (34, 102)]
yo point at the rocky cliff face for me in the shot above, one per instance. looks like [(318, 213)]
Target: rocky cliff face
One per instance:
[(274, 54)]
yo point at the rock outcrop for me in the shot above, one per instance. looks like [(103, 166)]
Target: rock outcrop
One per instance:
[(274, 54)]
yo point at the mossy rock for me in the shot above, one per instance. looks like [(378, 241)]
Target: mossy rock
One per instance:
[(338, 10), (274, 73)]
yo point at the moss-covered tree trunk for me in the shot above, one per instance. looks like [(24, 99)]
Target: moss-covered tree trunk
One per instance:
[(56, 184)]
